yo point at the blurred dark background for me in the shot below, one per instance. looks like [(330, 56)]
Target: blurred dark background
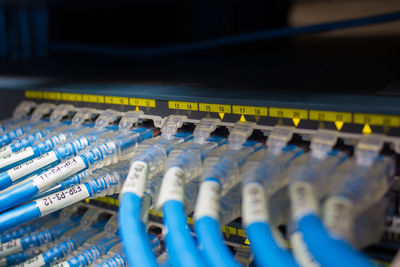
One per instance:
[(87, 40)]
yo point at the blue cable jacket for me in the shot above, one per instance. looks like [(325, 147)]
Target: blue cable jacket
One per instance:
[(182, 249), (224, 41), (5, 180), (210, 238), (135, 240), (266, 251), (17, 195), (329, 252), (18, 216)]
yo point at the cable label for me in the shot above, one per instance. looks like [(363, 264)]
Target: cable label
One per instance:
[(62, 264), (172, 187), (136, 179), (62, 199), (11, 158), (338, 216), (5, 151), (11, 247), (254, 208), (34, 262), (32, 165), (208, 200), (59, 172), (303, 199)]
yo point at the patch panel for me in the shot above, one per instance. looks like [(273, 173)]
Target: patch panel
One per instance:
[(182, 127)]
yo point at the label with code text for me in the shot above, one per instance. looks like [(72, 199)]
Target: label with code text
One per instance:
[(208, 200), (136, 179), (254, 207), (62, 199), (172, 187), (10, 158), (59, 172), (32, 165)]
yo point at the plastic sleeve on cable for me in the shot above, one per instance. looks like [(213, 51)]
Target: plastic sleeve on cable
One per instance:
[(329, 252), (18, 216), (182, 250), (17, 233), (135, 240), (210, 238), (266, 251), (17, 195)]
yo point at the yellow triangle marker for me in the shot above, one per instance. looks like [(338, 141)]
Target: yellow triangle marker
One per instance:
[(339, 125), (137, 108), (221, 115), (227, 235), (257, 118), (296, 121), (242, 118), (367, 129), (247, 242)]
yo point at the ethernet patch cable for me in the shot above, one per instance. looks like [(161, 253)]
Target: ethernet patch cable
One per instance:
[(50, 152), (359, 186), (264, 197), (109, 150), (220, 175), (183, 165), (147, 162)]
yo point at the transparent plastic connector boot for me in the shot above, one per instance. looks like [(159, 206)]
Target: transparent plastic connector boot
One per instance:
[(360, 184), (184, 162), (20, 113), (224, 162), (150, 156), (95, 247)]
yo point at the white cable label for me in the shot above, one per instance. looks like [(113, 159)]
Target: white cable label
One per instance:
[(208, 200), (303, 199), (172, 187), (10, 158), (59, 172), (62, 264), (136, 179), (62, 199), (10, 247), (338, 216), (36, 261), (5, 151), (254, 208), (300, 251), (32, 165)]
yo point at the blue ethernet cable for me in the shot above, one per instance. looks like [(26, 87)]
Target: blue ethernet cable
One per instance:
[(148, 161), (94, 252), (183, 165), (118, 260), (20, 115), (53, 150), (62, 249), (38, 238), (26, 126), (359, 184), (106, 184), (99, 155), (262, 178), (22, 250), (27, 229), (220, 175), (225, 41), (55, 125)]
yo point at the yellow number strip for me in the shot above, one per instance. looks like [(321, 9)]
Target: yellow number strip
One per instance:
[(317, 115), (182, 105)]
